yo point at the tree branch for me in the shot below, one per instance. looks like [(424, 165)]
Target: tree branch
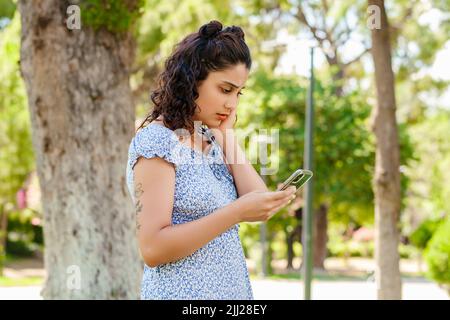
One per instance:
[(300, 15), (325, 6), (359, 56), (345, 32), (395, 28), (332, 59)]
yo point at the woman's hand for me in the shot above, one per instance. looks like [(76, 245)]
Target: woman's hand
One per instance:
[(225, 130), (229, 122), (261, 206)]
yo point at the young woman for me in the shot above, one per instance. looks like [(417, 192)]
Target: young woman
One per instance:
[(192, 190)]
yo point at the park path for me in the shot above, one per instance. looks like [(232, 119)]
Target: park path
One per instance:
[(414, 288), (292, 290)]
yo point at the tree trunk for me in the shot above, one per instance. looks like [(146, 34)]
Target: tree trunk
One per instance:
[(296, 234), (82, 119), (290, 251), (320, 237), (387, 174), (291, 237)]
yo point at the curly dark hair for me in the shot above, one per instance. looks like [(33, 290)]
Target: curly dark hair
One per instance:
[(210, 49)]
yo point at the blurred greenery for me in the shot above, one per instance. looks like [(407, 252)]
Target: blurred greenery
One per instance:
[(16, 151), (343, 144), (113, 15), (25, 239), (437, 255), (424, 233), (24, 281), (7, 9)]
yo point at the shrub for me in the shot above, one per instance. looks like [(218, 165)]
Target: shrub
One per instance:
[(437, 255), (24, 237), (423, 233)]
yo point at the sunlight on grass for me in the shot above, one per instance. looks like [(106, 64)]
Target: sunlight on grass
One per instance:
[(321, 277), (26, 281)]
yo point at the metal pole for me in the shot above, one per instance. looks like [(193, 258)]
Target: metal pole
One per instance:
[(308, 191), (263, 241)]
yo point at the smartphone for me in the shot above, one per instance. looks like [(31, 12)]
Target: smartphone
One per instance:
[(297, 179)]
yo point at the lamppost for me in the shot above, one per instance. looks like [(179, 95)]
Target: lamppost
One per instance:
[(308, 191), (307, 230), (263, 241)]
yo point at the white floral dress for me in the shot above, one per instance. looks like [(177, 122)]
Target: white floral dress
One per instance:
[(203, 184)]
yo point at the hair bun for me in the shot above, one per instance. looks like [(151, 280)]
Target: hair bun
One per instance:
[(210, 30), (235, 30)]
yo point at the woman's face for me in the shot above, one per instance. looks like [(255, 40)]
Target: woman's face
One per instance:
[(219, 93)]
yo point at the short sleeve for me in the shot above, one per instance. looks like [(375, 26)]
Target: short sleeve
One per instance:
[(154, 141)]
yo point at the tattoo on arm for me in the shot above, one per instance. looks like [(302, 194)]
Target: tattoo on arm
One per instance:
[(137, 193)]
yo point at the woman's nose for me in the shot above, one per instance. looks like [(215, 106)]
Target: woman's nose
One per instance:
[(232, 104)]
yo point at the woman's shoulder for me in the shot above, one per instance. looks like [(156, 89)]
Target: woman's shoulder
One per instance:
[(153, 127), (155, 133), (153, 140)]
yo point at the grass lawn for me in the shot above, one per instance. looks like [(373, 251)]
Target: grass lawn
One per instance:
[(21, 278), (330, 276), (25, 281), (321, 277)]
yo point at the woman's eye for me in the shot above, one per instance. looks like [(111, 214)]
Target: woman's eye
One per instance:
[(228, 91)]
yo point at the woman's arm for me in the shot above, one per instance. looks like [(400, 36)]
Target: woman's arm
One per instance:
[(161, 242), (245, 176)]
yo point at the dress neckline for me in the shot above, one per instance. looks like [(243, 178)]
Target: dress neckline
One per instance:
[(202, 153)]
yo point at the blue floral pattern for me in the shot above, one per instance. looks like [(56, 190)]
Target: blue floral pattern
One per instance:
[(203, 184)]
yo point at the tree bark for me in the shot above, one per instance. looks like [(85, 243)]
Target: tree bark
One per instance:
[(296, 234), (320, 237), (387, 175), (291, 237), (290, 251), (82, 118)]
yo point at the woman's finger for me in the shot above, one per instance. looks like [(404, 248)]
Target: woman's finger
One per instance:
[(277, 195), (284, 200), (275, 211)]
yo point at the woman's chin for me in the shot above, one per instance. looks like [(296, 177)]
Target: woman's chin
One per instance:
[(213, 124)]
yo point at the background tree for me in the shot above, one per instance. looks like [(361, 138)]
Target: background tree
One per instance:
[(340, 31), (387, 164), (82, 119), (344, 152)]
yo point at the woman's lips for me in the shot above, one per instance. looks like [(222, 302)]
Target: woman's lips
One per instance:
[(221, 116)]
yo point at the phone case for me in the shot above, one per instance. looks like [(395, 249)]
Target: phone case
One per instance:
[(298, 178)]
